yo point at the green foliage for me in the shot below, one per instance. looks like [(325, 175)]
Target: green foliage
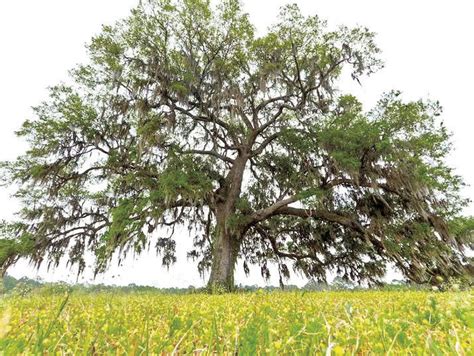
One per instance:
[(463, 226), (10, 248), (185, 177)]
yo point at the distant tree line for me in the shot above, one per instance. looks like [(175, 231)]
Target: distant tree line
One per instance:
[(24, 286)]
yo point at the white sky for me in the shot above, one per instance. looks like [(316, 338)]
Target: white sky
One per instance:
[(427, 48)]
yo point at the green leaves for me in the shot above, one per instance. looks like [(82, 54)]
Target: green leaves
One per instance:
[(185, 177), (14, 243)]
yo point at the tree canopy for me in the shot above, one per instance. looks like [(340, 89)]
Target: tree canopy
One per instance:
[(184, 116)]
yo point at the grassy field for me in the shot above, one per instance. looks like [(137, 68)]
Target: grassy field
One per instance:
[(330, 323)]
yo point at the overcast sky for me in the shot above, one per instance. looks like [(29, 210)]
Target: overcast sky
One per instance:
[(427, 47)]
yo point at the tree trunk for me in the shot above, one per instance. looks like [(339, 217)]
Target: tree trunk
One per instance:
[(224, 257), (226, 245)]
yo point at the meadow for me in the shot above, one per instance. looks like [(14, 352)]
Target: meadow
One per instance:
[(328, 323)]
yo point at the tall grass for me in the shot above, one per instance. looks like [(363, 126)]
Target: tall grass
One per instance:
[(331, 323)]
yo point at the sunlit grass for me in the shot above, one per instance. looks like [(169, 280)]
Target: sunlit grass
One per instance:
[(255, 323)]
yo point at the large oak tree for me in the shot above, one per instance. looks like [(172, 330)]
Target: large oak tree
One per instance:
[(185, 116)]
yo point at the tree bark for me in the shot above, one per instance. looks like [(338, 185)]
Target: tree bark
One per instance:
[(224, 257), (226, 243)]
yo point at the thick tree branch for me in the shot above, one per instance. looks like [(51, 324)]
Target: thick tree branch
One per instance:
[(209, 153), (262, 214)]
